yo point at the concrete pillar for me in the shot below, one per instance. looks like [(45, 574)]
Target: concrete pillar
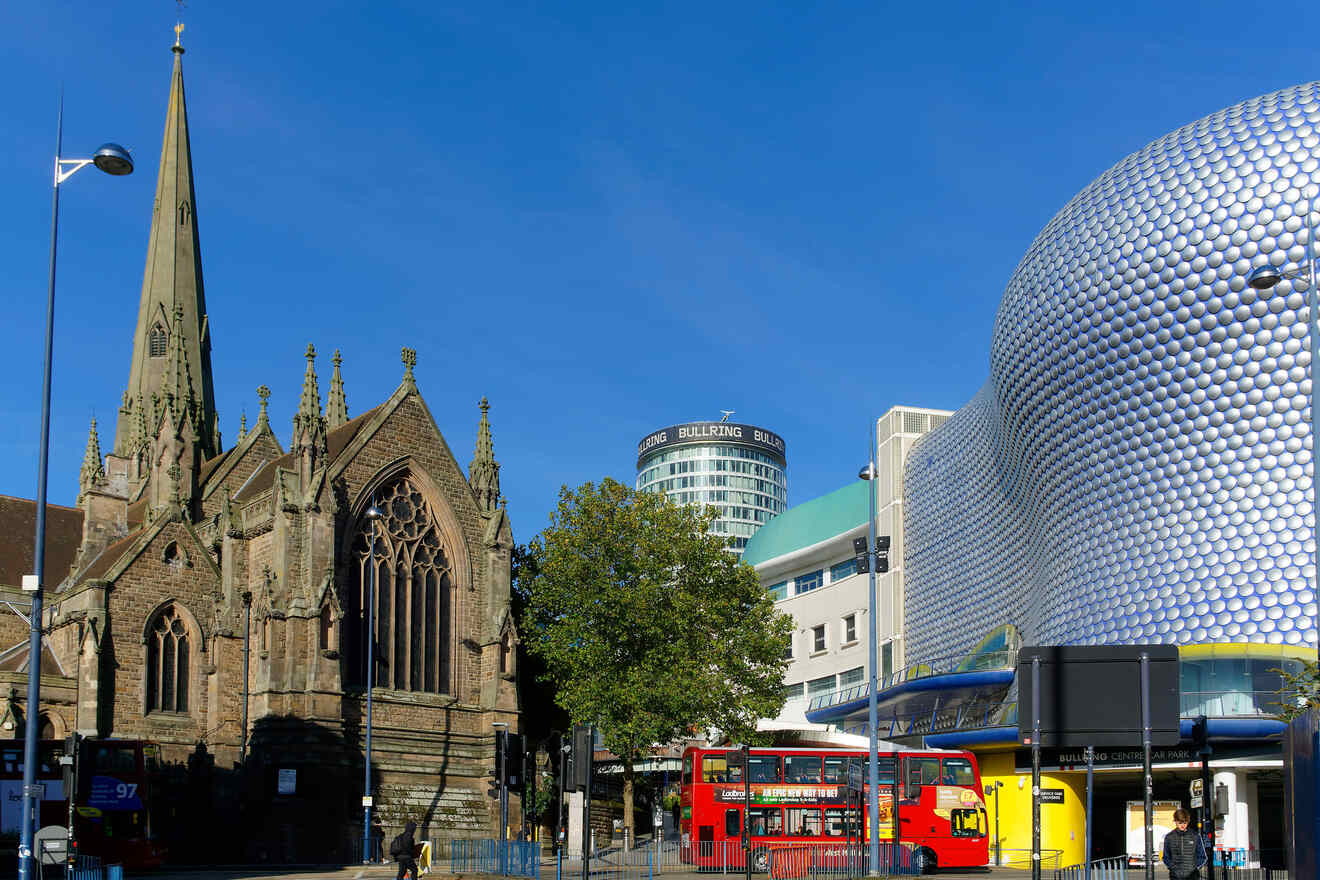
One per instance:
[(576, 801)]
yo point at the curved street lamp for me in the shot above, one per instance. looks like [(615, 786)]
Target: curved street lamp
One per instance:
[(112, 159), (868, 473)]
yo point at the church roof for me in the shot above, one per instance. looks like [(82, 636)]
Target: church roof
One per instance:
[(109, 556), (18, 523), (336, 441)]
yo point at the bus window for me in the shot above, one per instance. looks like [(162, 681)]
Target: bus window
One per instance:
[(114, 759), (922, 771), (803, 822), (766, 822), (687, 769), (732, 823), (764, 768), (713, 769), (836, 770), (802, 768), (957, 771), (836, 822), (968, 823), (886, 768)]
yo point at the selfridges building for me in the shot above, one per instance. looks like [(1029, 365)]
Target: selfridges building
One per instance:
[(1138, 467)]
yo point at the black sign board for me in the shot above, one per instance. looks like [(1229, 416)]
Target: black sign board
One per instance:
[(1051, 795), (1091, 695)]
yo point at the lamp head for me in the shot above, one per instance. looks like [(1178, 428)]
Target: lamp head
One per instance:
[(113, 159), (374, 513), (865, 473), (1264, 277)]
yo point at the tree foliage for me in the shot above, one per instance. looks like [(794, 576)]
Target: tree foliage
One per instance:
[(648, 626), (1301, 690)]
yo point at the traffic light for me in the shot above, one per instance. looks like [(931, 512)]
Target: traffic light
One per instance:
[(881, 554), (579, 766), (513, 761), (1200, 737), (495, 783)]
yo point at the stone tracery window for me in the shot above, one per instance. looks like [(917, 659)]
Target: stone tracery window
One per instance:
[(167, 662), (414, 576)]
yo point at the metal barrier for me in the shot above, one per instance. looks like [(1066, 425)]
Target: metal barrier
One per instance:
[(1021, 859), (517, 858), (1101, 869), (843, 860)]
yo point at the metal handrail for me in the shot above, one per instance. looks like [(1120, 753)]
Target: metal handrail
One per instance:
[(1006, 659)]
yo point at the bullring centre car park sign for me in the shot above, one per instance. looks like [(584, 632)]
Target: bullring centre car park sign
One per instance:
[(712, 432)]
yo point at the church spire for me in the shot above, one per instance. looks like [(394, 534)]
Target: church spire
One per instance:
[(336, 406), (484, 472), (172, 285), (309, 407)]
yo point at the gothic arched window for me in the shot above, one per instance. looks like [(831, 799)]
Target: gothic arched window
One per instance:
[(156, 341), (167, 662), (413, 579)]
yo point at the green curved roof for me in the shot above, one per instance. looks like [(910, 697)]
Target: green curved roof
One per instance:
[(809, 523)]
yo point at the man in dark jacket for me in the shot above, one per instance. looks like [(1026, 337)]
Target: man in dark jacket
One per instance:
[(403, 850), (1184, 852)]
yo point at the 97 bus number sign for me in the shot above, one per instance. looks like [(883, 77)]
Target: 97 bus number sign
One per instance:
[(109, 793)]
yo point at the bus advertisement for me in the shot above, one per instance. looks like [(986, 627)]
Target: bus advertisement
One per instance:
[(799, 799)]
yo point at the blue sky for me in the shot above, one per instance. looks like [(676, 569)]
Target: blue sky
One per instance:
[(607, 219)]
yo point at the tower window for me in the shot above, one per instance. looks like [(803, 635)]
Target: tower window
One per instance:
[(156, 341)]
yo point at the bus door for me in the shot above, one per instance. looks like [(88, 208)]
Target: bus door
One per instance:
[(921, 773)]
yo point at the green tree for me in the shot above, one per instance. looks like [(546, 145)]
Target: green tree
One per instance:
[(1301, 690), (648, 626)]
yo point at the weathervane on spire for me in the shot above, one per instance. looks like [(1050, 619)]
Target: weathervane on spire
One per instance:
[(178, 26)]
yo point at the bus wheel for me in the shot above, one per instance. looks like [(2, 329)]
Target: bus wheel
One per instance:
[(924, 862), (761, 861)]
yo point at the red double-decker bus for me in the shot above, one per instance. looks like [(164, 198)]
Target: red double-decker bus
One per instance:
[(799, 799), (112, 804)]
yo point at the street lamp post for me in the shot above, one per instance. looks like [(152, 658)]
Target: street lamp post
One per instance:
[(1264, 278), (112, 159), (868, 473), (373, 515)]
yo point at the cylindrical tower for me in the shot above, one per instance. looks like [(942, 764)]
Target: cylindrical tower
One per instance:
[(740, 469)]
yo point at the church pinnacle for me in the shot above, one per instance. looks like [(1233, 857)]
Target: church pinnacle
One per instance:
[(484, 472), (336, 405), (172, 339), (92, 474)]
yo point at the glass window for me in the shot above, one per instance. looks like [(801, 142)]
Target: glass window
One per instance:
[(764, 768), (804, 583), (849, 628), (793, 691), (957, 771), (766, 821), (803, 821), (778, 591), (836, 822), (732, 823), (818, 638), (851, 677), (687, 769), (788, 649), (818, 686), (714, 769), (802, 768), (841, 570), (836, 770), (922, 771)]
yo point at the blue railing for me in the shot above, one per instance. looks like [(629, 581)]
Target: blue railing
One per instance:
[(514, 858), (925, 669), (1101, 869)]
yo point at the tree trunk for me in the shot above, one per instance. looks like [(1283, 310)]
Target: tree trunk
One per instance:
[(628, 776)]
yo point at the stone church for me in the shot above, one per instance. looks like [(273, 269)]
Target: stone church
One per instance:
[(215, 600)]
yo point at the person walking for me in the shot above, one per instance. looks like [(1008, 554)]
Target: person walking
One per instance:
[(1184, 852), (403, 849)]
